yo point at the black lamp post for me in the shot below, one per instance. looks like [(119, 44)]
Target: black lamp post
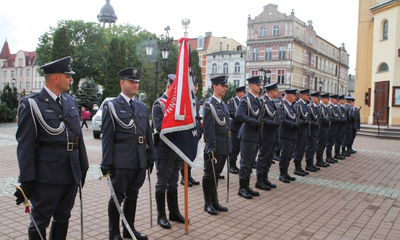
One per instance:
[(321, 83), (162, 45)]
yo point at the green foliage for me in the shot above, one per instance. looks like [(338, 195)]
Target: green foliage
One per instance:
[(88, 94), (62, 45), (147, 83), (9, 104), (197, 72), (230, 93), (6, 114), (111, 87)]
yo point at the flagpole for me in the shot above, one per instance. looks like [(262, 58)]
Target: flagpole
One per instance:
[(186, 176)]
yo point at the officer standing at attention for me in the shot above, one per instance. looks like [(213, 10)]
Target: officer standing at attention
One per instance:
[(334, 128), (218, 143), (270, 137), (356, 127), (288, 134), (341, 129), (235, 126), (304, 131), (51, 153), (250, 134), (315, 114), (323, 131), (351, 118), (167, 165), (191, 180), (127, 150)]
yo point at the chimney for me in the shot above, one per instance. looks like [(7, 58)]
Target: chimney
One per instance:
[(208, 34)]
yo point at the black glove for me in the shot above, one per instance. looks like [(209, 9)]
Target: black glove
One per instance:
[(199, 118), (106, 169), (258, 124), (150, 164), (27, 188), (275, 125), (296, 125), (84, 172), (315, 124)]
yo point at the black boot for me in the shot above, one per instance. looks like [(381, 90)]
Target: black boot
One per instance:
[(243, 189), (337, 154), (208, 206), (130, 213), (320, 162), (298, 170), (283, 177), (113, 221), (191, 180), (214, 199), (173, 207), (260, 184), (161, 216), (34, 235), (344, 152), (309, 166), (351, 150), (288, 176), (267, 182), (58, 231), (329, 158), (233, 168), (183, 179), (251, 191)]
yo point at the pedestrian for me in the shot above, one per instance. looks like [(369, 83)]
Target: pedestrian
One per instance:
[(85, 115), (95, 108), (167, 165), (51, 152), (218, 143), (128, 151)]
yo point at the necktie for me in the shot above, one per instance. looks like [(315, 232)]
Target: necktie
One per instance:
[(131, 105), (58, 100)]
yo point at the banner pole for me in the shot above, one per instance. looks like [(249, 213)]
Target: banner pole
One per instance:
[(186, 176)]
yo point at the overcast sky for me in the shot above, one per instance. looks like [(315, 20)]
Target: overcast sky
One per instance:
[(22, 22)]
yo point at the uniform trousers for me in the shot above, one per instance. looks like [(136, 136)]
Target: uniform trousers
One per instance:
[(339, 139), (248, 154), (300, 148), (218, 165), (311, 147), (127, 182), (348, 135), (331, 141), (321, 144), (51, 200), (167, 174), (265, 157), (287, 149), (235, 146)]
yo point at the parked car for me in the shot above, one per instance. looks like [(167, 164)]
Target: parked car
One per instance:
[(96, 120)]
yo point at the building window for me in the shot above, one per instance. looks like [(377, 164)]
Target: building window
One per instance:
[(268, 53), (255, 54), (324, 65), (19, 62), (27, 85), (281, 76), (309, 59), (328, 89), (214, 68), (329, 66), (237, 67), (315, 83), (35, 84), (308, 81), (275, 30), (316, 62), (297, 31), (282, 52), (263, 32), (20, 72), (28, 72), (385, 29), (225, 69), (236, 82), (12, 73), (20, 85), (383, 67), (40, 84), (4, 85), (200, 42), (4, 74), (254, 73)]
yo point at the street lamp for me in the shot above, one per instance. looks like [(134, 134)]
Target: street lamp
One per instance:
[(321, 83), (150, 46), (13, 81)]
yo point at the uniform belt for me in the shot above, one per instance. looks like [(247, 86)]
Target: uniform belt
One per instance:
[(70, 146), (228, 134), (139, 140)]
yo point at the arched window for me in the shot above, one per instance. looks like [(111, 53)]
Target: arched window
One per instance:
[(385, 29), (263, 32), (225, 67), (275, 30), (383, 67), (237, 67), (214, 68)]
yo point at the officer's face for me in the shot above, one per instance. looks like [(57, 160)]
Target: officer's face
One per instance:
[(255, 88), (129, 88), (334, 101), (64, 81), (325, 100), (196, 87), (273, 93), (315, 100), (240, 94), (305, 97), (219, 90)]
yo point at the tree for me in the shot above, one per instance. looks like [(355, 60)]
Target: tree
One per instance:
[(9, 104), (197, 72), (147, 83), (62, 45), (111, 86), (88, 94), (230, 92)]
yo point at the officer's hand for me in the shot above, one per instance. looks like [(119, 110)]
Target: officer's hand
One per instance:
[(275, 125), (84, 172), (258, 124), (27, 188), (199, 118), (150, 165), (106, 169), (211, 155), (296, 125)]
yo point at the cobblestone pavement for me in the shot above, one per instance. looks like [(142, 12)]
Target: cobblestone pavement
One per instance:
[(357, 198)]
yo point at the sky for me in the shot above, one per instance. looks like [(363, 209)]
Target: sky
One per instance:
[(22, 22)]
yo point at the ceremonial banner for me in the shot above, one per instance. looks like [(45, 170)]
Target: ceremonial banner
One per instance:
[(178, 129)]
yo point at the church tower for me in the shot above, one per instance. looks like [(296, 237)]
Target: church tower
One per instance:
[(107, 14)]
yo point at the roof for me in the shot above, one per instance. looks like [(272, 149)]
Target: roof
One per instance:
[(5, 52)]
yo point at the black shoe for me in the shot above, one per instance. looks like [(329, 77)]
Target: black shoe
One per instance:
[(243, 189), (214, 198), (233, 170), (191, 180), (305, 172), (322, 164), (221, 176), (173, 207), (288, 176), (207, 188), (299, 172), (272, 161), (345, 153), (310, 169), (340, 157), (352, 151), (267, 182), (189, 183), (329, 160), (161, 216), (129, 210), (283, 177), (260, 184)]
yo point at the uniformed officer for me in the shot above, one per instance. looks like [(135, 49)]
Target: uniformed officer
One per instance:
[(315, 115), (51, 153), (334, 127), (270, 137), (289, 132), (351, 118), (304, 131), (191, 180), (356, 128), (341, 129), (235, 127), (323, 131), (167, 165), (250, 114), (218, 143), (127, 150)]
